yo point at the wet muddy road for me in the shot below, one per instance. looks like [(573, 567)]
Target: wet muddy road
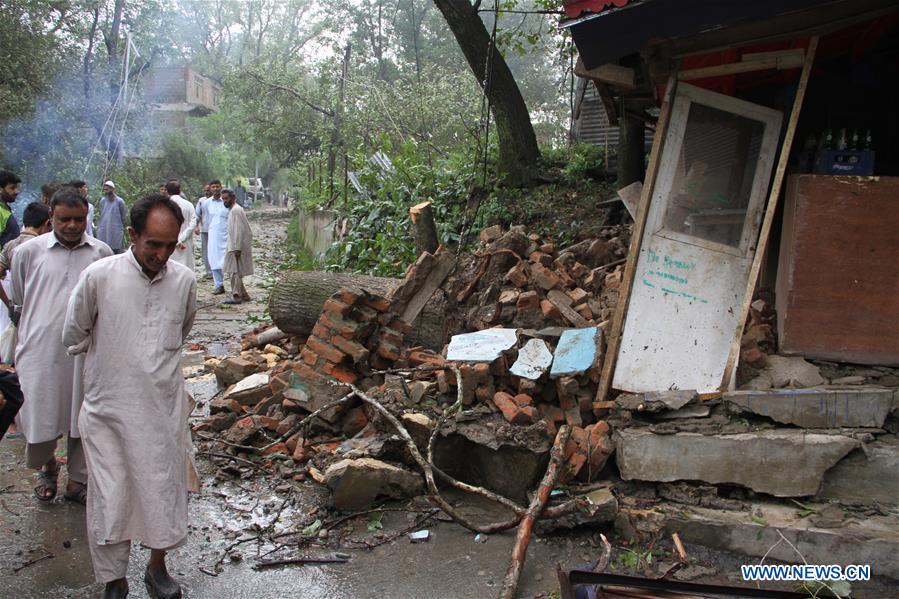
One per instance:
[(43, 552)]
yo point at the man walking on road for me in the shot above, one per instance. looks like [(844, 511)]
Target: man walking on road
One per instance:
[(239, 257), (203, 230), (113, 219), (215, 210), (184, 253), (44, 273), (131, 315)]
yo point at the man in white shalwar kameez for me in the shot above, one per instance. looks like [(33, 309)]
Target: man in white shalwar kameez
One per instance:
[(131, 315), (43, 275), (239, 258), (215, 210), (184, 253)]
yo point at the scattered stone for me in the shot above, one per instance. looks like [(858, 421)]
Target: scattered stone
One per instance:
[(232, 370), (792, 372), (357, 483)]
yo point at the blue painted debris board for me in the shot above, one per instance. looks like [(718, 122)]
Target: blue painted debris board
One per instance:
[(481, 346), (576, 352)]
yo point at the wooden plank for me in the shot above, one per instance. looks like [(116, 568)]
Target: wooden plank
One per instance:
[(790, 61), (768, 220), (838, 294), (444, 264), (563, 303), (612, 74), (624, 291)]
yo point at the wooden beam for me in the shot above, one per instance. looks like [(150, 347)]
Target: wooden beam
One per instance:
[(624, 291), (611, 74), (787, 61), (768, 220)]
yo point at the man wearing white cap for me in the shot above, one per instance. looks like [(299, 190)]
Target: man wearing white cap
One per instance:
[(113, 219)]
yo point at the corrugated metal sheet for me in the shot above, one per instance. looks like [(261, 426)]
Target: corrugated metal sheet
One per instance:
[(592, 125)]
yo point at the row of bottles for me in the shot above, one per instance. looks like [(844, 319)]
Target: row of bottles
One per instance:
[(842, 140)]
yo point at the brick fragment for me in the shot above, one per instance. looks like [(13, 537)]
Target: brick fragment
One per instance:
[(754, 357), (541, 258), (347, 296), (579, 271), (217, 406), (543, 277), (469, 384), (377, 303), (529, 300), (356, 351), (419, 357), (508, 297), (324, 349), (517, 275), (276, 448), (512, 412), (344, 375), (286, 424), (585, 311), (336, 308), (484, 393), (344, 328), (481, 372), (613, 280), (491, 234), (548, 248), (523, 400), (550, 311), (321, 331), (527, 386), (388, 351), (443, 384), (578, 296), (309, 357), (355, 420)]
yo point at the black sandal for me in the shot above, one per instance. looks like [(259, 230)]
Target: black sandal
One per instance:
[(47, 480), (79, 496)]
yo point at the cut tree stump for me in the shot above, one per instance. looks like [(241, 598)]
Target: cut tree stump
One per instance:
[(297, 298), (424, 229)]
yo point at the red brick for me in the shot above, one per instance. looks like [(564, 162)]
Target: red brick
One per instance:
[(277, 448), (579, 271), (365, 314), (224, 405), (288, 405), (324, 349), (585, 312), (517, 275), (308, 356), (340, 373), (346, 329), (523, 400), (294, 440), (355, 420), (529, 300), (550, 311), (378, 303), (418, 357), (302, 453), (286, 424), (573, 417), (388, 351), (443, 384), (541, 258), (321, 331), (279, 382), (548, 248), (512, 412), (484, 393), (481, 372), (400, 326), (544, 278), (469, 384), (336, 309), (392, 337), (268, 423), (353, 349), (578, 296), (565, 280), (490, 234), (306, 374), (347, 296), (527, 386)]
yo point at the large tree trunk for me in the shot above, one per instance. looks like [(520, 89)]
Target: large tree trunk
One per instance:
[(518, 151), (297, 298)]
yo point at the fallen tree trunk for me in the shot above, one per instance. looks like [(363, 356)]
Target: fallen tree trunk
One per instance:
[(296, 302)]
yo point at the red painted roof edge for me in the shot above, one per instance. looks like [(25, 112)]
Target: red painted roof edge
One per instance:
[(575, 8)]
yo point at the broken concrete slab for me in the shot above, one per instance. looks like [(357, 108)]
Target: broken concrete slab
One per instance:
[(866, 477), (784, 371), (357, 483), (578, 351), (818, 408), (783, 463), (481, 346), (250, 390), (534, 359), (694, 411), (873, 540)]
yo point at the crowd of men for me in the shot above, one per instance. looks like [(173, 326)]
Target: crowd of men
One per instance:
[(98, 313)]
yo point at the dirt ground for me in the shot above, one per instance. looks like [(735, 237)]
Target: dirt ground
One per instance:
[(43, 553)]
